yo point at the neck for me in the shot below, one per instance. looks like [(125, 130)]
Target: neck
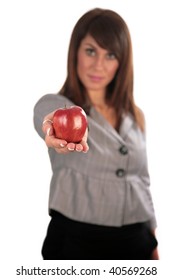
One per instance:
[(100, 106), (97, 99)]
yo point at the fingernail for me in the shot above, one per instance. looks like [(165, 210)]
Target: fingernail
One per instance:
[(71, 149), (62, 145), (48, 131)]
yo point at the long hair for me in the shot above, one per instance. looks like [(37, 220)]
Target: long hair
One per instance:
[(110, 32)]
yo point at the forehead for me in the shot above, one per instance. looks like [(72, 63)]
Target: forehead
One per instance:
[(89, 40)]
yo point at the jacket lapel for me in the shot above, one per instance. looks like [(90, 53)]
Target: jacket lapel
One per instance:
[(126, 126)]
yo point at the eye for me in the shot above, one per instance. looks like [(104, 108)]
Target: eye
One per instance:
[(111, 55), (90, 52)]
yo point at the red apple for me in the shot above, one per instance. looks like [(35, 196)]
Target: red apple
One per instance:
[(70, 123)]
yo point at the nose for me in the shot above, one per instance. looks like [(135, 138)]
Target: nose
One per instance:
[(99, 62)]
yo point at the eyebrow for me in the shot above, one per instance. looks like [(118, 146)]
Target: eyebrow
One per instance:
[(90, 44)]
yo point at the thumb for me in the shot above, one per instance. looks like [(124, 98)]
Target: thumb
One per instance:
[(47, 127)]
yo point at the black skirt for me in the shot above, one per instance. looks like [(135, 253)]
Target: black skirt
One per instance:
[(67, 239)]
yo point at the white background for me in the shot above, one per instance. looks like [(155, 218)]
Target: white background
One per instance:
[(33, 50)]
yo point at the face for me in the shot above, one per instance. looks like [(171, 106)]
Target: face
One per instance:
[(96, 67)]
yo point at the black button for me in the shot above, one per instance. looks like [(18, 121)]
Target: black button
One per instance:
[(120, 172), (123, 150)]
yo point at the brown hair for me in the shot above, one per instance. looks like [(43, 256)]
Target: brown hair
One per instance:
[(110, 32)]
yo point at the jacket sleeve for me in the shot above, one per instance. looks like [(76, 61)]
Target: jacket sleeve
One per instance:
[(145, 177), (45, 105)]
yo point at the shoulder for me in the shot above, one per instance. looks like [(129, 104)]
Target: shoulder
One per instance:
[(54, 97), (52, 102), (140, 117)]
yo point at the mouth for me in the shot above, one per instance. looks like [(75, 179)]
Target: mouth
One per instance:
[(95, 78)]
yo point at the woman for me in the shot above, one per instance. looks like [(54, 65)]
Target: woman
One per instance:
[(100, 202)]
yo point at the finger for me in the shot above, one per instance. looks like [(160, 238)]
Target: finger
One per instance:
[(85, 146), (54, 142), (79, 148), (49, 131), (47, 127), (84, 142), (71, 147), (62, 150), (47, 121)]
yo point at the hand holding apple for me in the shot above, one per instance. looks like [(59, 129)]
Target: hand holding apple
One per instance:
[(61, 145), (70, 124)]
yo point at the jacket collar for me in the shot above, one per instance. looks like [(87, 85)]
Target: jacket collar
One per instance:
[(126, 125)]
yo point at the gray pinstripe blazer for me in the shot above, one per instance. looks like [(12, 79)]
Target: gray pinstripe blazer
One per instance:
[(110, 184)]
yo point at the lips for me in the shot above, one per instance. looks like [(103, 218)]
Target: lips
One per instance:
[(95, 78)]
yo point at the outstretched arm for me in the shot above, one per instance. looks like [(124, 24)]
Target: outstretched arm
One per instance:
[(60, 145)]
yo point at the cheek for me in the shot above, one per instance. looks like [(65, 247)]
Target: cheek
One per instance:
[(112, 70), (80, 66)]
